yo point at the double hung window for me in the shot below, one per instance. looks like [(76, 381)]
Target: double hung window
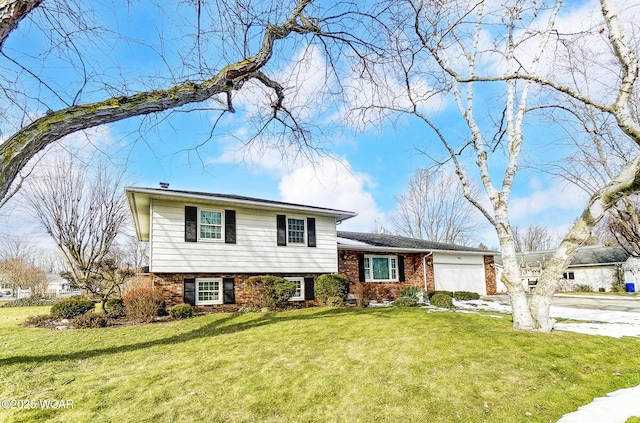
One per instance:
[(208, 291), (381, 268), (210, 224)]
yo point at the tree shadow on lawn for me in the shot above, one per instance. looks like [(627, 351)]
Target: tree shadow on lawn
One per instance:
[(223, 326)]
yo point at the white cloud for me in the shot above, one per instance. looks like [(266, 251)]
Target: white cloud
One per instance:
[(306, 80), (559, 197), (331, 182)]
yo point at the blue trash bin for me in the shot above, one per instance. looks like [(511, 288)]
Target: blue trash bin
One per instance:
[(630, 287)]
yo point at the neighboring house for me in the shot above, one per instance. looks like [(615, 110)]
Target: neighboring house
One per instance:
[(203, 246), (595, 266), (57, 286), (389, 262)]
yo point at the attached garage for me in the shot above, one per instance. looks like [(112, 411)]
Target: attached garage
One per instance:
[(456, 272), (414, 262)]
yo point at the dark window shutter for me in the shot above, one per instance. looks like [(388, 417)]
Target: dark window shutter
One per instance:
[(401, 268), (189, 291), (281, 220), (190, 224), (309, 293), (361, 267), (230, 226), (228, 293), (311, 231)]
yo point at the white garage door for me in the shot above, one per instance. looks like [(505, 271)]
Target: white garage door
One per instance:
[(459, 273)]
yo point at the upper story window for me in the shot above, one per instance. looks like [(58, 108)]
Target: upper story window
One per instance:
[(202, 224), (381, 268), (210, 224), (295, 232)]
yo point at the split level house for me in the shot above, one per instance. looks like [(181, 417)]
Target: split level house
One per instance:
[(203, 247)]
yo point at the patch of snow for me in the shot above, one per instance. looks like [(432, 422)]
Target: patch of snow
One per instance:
[(616, 407), (598, 322)]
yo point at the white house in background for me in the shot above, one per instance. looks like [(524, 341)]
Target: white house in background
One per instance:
[(595, 266), (57, 286)]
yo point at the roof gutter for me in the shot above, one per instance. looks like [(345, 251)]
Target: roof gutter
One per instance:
[(424, 268)]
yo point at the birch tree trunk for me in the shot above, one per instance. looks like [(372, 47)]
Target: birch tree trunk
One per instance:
[(441, 32)]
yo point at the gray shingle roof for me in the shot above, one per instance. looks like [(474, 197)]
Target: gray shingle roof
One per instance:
[(585, 256), (397, 241)]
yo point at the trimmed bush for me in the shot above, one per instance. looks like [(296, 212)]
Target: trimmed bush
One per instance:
[(442, 300), (70, 308), (114, 307), (432, 293), (331, 285), (270, 291), (405, 302), (90, 320), (466, 295), (335, 302), (410, 292), (279, 292), (31, 302), (181, 311), (143, 304), (583, 288)]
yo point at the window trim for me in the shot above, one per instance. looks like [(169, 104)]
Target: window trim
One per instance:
[(222, 225), (368, 271), (220, 299), (301, 280), (303, 230)]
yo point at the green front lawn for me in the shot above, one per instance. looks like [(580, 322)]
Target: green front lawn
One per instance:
[(342, 365)]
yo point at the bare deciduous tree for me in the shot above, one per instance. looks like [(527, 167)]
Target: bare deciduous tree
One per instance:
[(433, 208), (19, 273), (216, 50), (533, 238), (83, 213), (478, 48), (18, 268)]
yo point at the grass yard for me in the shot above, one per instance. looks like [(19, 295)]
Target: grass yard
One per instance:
[(312, 365)]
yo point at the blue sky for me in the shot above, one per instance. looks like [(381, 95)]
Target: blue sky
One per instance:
[(362, 168)]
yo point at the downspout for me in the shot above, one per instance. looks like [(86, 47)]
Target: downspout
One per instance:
[(424, 268)]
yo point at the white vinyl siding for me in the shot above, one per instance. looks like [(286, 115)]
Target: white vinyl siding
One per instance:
[(255, 251)]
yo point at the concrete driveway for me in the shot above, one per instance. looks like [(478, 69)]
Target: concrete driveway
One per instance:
[(591, 302)]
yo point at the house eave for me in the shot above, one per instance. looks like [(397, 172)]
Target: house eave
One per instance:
[(140, 201), (377, 248)]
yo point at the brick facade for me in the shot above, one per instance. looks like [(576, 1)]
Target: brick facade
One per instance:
[(413, 272), (490, 275), (172, 287)]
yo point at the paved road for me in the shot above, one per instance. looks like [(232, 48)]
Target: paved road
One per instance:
[(610, 303)]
